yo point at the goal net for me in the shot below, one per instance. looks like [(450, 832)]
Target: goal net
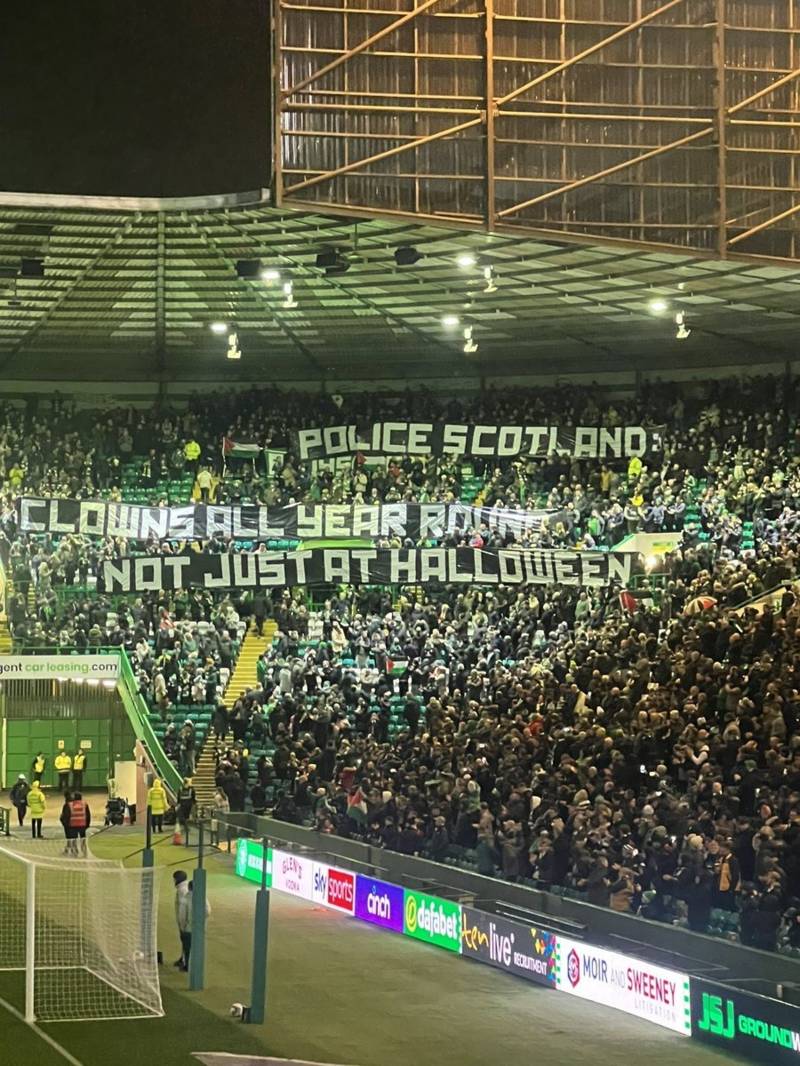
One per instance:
[(81, 932)]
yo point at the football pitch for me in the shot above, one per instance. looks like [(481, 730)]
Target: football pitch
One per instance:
[(188, 1025), (339, 992)]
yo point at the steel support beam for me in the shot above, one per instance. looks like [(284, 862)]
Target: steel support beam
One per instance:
[(361, 47), (160, 297), (643, 21), (660, 150)]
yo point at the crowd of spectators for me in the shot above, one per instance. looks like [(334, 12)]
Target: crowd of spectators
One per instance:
[(630, 752)]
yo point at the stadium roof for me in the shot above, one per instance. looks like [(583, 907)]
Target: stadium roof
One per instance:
[(130, 289)]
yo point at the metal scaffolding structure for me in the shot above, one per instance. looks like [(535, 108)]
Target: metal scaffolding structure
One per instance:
[(670, 123)]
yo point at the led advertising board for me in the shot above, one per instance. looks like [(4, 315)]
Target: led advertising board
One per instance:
[(380, 903), (649, 992), (739, 1023), (292, 874), (510, 946), (434, 920), (333, 887), (250, 861)]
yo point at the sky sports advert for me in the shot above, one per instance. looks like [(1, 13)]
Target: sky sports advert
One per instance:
[(755, 1027)]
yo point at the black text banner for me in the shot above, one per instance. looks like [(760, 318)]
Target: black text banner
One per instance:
[(459, 439), (368, 566), (417, 521)]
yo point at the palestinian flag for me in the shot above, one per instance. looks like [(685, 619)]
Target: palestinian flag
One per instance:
[(239, 449), (396, 667), (631, 599), (357, 806)]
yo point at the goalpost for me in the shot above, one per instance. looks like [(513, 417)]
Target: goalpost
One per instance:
[(83, 933)]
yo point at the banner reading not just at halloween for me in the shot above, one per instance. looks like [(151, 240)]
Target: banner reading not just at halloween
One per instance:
[(416, 521), (368, 566), (456, 439)]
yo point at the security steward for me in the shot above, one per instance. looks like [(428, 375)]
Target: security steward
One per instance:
[(76, 819), (63, 765), (78, 766), (37, 767)]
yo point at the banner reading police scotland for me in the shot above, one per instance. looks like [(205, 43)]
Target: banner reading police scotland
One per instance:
[(498, 442), (367, 566), (417, 521), (510, 946)]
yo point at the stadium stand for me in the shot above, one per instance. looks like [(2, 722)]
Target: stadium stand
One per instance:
[(638, 748)]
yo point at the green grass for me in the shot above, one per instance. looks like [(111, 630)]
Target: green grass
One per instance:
[(189, 1024), (168, 1041)]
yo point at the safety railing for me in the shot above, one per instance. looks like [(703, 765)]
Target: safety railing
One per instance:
[(5, 821), (137, 711)]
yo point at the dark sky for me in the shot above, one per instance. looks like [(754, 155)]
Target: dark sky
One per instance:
[(134, 97)]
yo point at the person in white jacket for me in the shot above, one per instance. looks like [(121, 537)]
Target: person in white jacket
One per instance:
[(183, 915)]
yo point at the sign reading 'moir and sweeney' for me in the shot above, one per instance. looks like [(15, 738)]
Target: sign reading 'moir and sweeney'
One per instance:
[(434, 920), (455, 439), (649, 992), (510, 946), (369, 566), (743, 1024)]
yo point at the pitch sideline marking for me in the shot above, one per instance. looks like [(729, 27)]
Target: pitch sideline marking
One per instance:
[(40, 1033)]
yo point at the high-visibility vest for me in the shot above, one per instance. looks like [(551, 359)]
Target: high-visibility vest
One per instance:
[(38, 765), (79, 761), (77, 814), (63, 762)]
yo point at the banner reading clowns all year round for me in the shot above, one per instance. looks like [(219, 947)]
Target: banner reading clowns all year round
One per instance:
[(104, 518)]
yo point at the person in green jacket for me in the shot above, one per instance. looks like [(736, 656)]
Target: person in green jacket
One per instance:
[(37, 806), (157, 802)]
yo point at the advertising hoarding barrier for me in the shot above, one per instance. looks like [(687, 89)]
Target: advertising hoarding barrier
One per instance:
[(756, 1027), (740, 1023)]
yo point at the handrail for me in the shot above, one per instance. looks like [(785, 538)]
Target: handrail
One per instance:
[(136, 709), (787, 584)]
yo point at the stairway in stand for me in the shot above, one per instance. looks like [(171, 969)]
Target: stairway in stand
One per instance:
[(244, 677), (6, 646)]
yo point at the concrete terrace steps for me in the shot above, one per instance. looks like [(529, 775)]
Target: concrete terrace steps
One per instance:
[(244, 677), (206, 768), (245, 673)]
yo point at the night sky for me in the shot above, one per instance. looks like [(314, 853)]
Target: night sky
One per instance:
[(134, 97)]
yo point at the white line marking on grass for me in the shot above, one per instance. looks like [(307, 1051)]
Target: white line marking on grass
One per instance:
[(40, 1033)]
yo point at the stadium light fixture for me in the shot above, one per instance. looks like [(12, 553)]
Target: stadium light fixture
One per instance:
[(406, 256), (450, 321), (219, 327), (234, 351), (658, 305), (248, 268), (683, 332), (469, 344), (332, 261), (466, 260), (288, 292)]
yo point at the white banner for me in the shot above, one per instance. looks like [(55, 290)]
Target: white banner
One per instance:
[(60, 667), (649, 992)]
